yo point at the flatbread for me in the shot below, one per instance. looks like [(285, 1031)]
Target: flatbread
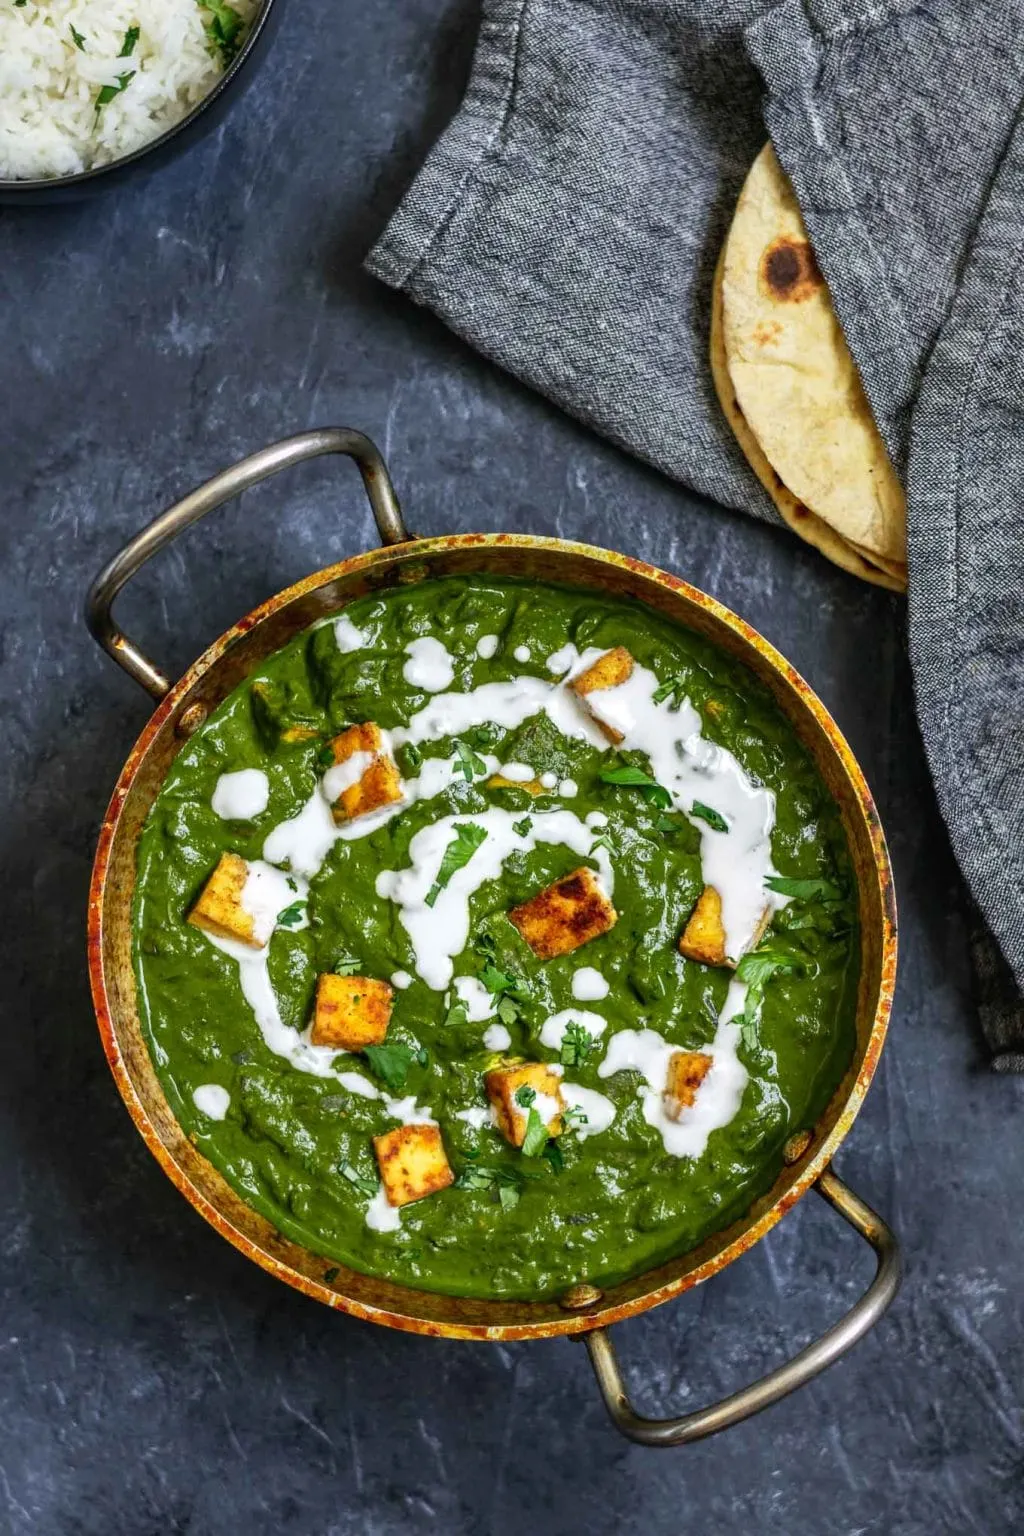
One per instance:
[(794, 379), (793, 511)]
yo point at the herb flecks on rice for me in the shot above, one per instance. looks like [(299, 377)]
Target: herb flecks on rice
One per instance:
[(68, 103)]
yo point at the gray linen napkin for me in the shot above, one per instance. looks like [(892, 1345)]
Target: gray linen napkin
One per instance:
[(568, 222)]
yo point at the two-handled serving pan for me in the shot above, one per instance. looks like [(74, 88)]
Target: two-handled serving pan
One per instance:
[(583, 1311)]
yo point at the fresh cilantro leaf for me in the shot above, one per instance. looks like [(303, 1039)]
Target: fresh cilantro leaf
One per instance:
[(77, 38), (469, 764), (457, 1016), (412, 754), (292, 916), (496, 981), (536, 1134), (508, 1182), (390, 1063), (673, 688), (367, 1187), (577, 1044), (483, 735), (508, 1009), (573, 1116), (347, 965), (131, 37), (468, 838), (602, 841), (422, 1056), (523, 827), (106, 93), (748, 1033), (553, 1154), (485, 945), (635, 778), (803, 890), (475, 1178), (760, 965), (525, 1095), (224, 28), (714, 819), (667, 824), (508, 1194), (325, 754)]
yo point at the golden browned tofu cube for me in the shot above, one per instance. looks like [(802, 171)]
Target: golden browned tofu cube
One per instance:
[(703, 937), (532, 786), (608, 671), (218, 908), (380, 783), (412, 1163), (686, 1071), (503, 1083), (565, 915), (351, 1012)]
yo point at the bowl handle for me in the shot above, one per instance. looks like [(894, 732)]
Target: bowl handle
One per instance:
[(660, 1433), (223, 487)]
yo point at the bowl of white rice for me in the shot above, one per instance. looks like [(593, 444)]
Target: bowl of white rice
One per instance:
[(92, 89)]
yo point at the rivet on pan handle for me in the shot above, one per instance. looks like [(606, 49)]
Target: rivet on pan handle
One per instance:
[(224, 487), (662, 1433)]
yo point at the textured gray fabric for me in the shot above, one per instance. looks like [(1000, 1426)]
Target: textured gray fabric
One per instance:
[(568, 222)]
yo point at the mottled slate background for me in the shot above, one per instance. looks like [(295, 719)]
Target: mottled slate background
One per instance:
[(152, 1381)]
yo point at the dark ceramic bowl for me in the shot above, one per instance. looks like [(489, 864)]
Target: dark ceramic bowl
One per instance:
[(204, 117)]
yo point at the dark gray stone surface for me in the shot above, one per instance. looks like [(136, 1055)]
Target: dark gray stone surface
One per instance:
[(151, 1380)]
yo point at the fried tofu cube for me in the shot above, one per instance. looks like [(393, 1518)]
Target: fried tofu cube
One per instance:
[(380, 782), (412, 1163), (218, 908), (503, 1083), (686, 1071), (565, 915), (608, 671), (351, 1012), (703, 938)]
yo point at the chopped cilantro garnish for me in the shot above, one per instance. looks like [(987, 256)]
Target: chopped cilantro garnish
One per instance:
[(577, 1044), (508, 1009), (602, 841), (536, 1134), (635, 778), (803, 890), (525, 1095), (523, 827), (457, 1016), (223, 29), (673, 688), (422, 1056), (468, 838), (107, 93), (292, 916), (365, 1186), (325, 754), (469, 765), (483, 735), (495, 980), (508, 1182), (390, 1063), (346, 965), (508, 1194), (760, 965), (715, 820), (553, 1154), (76, 37), (574, 1116), (131, 37)]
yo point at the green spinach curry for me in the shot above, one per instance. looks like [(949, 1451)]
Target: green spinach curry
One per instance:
[(495, 937)]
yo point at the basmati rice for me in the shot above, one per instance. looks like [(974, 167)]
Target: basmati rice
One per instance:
[(56, 119)]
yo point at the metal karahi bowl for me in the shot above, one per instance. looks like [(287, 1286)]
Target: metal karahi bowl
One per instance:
[(200, 120), (182, 707)]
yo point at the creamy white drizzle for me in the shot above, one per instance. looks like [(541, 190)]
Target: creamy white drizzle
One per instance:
[(348, 636), (736, 862), (588, 985), (265, 894), (561, 660), (441, 931), (507, 705), (381, 1215), (408, 1111), (355, 1082), (598, 1108), (520, 773), (552, 1031), (429, 665), (497, 1037), (568, 789), (477, 1116), (241, 795), (549, 779), (478, 1002), (211, 1100), (400, 980), (521, 654), (342, 776), (717, 1099), (486, 646)]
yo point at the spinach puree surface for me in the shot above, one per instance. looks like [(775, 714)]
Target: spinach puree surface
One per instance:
[(619, 1204)]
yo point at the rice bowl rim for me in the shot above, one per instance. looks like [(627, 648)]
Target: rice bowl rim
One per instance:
[(222, 83)]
